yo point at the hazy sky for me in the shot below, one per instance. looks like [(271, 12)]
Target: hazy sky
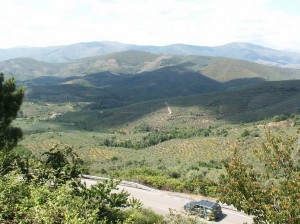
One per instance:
[(272, 23)]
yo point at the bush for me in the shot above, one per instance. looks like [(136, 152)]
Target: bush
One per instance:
[(143, 216), (156, 137), (280, 117), (211, 164), (174, 173), (203, 186), (222, 132), (175, 185), (245, 133), (142, 128)]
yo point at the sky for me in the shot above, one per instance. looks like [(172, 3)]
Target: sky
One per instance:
[(39, 23)]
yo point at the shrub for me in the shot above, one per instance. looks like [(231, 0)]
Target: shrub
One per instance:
[(245, 133), (142, 128), (280, 117), (114, 159), (143, 216)]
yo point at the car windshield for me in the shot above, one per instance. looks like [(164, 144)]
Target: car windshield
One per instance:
[(218, 208)]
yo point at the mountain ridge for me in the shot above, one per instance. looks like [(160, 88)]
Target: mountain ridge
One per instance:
[(137, 62), (237, 50)]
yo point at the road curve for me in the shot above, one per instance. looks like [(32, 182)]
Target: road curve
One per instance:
[(161, 201)]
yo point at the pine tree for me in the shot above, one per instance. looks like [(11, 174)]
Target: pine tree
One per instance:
[(10, 102)]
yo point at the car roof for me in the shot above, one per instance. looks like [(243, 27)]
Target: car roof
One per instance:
[(207, 204)]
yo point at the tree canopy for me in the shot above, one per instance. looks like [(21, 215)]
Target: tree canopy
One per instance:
[(10, 102), (267, 187)]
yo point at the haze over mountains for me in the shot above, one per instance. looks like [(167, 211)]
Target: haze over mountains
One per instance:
[(67, 53)]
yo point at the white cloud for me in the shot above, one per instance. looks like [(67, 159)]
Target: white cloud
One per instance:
[(156, 22)]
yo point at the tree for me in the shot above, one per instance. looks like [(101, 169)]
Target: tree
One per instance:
[(10, 102), (268, 188)]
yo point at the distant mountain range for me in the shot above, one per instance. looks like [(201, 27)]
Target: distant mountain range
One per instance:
[(232, 89), (122, 78), (136, 63), (68, 53)]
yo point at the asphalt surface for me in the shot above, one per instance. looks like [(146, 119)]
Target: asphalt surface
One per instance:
[(161, 202)]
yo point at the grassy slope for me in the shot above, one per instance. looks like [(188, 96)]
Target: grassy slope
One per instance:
[(85, 132)]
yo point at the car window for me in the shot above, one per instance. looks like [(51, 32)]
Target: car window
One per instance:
[(218, 208)]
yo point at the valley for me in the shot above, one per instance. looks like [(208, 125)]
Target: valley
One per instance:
[(181, 151), (150, 112), (166, 121)]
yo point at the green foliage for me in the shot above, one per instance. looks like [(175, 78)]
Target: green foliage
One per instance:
[(142, 128), (202, 186), (10, 103), (144, 216), (162, 182), (156, 137), (270, 191), (25, 201), (252, 133), (245, 133), (51, 192), (48, 189), (22, 152), (179, 180), (211, 164), (155, 179), (280, 117), (58, 165), (223, 132)]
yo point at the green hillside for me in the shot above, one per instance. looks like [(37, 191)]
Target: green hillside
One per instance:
[(249, 103), (107, 90), (243, 104), (27, 68)]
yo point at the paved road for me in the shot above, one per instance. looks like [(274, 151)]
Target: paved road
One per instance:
[(161, 201)]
